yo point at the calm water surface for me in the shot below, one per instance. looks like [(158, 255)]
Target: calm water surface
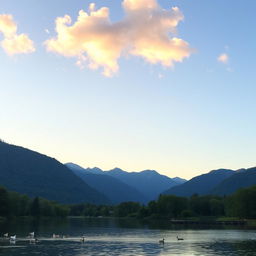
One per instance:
[(122, 237)]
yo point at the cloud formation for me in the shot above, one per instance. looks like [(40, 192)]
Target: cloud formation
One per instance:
[(147, 31), (223, 58), (14, 43)]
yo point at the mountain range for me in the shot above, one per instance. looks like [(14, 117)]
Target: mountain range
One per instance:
[(218, 182), (29, 172), (116, 190), (119, 185), (201, 184), (241, 179)]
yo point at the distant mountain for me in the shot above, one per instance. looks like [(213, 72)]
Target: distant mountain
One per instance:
[(78, 168), (179, 181), (202, 184), (148, 182), (34, 174), (116, 190), (241, 179)]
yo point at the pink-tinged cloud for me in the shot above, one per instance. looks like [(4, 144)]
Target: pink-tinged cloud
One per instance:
[(14, 43), (147, 31), (7, 25), (223, 58)]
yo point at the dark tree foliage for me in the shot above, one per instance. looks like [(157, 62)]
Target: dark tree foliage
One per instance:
[(127, 209), (90, 210), (4, 202), (242, 204), (35, 208), (239, 205), (14, 204), (171, 206)]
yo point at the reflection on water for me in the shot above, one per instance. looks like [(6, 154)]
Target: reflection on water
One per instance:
[(122, 237)]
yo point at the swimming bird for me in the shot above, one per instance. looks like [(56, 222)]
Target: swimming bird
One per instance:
[(161, 241), (13, 238), (82, 239), (31, 235), (33, 240), (12, 241), (6, 235), (179, 238)]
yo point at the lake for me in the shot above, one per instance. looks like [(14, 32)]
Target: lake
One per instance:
[(105, 237)]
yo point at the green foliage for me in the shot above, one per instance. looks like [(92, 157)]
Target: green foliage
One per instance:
[(35, 208), (14, 204), (91, 210), (216, 207), (242, 203), (171, 206), (239, 205), (4, 203), (127, 209)]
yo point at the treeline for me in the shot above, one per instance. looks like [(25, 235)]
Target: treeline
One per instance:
[(239, 205), (13, 204)]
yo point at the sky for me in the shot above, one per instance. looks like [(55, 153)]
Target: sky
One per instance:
[(134, 84)]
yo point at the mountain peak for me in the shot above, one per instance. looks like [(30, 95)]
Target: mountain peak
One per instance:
[(72, 165), (117, 170), (221, 170), (95, 170), (150, 171), (179, 180)]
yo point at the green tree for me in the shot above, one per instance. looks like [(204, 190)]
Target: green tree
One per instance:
[(4, 203), (127, 209), (217, 207), (243, 204), (171, 206), (35, 210)]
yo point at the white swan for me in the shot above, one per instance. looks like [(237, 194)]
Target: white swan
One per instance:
[(12, 241), (55, 236), (33, 240), (13, 238), (32, 234)]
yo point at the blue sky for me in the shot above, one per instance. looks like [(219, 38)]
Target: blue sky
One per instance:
[(183, 120)]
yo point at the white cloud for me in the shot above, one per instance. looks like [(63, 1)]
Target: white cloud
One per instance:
[(223, 58), (14, 43), (147, 31), (7, 25)]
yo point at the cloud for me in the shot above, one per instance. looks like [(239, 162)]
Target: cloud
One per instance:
[(7, 25), (14, 43), (223, 58), (146, 31)]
